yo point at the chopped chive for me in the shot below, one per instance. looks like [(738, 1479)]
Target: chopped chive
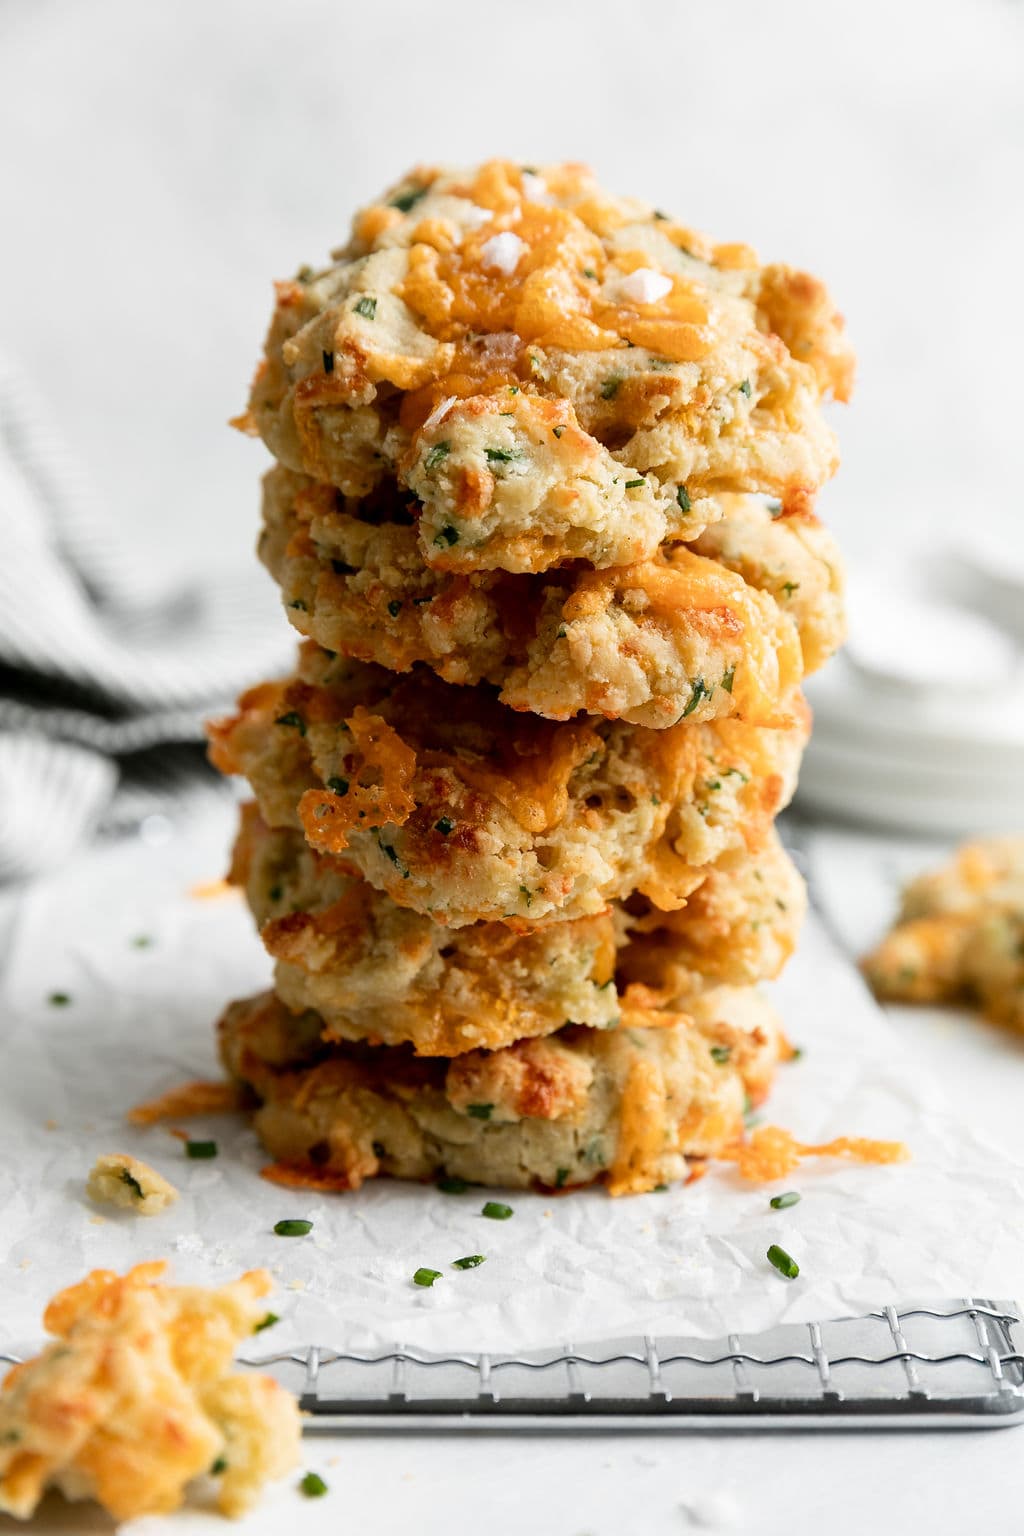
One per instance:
[(448, 535), (436, 456), (660, 1189), (782, 1261), (294, 719), (683, 498), (450, 1185), (219, 1466), (275, 893), (199, 1149), (328, 362), (783, 1202), (728, 678), (426, 1276), (699, 690), (340, 786), (141, 941), (501, 455), (313, 1486), (366, 306), (59, 999), (631, 485), (496, 1211), (561, 1174), (300, 605), (133, 1183), (659, 215), (513, 389), (389, 853), (796, 1052), (789, 587), (266, 1322), (444, 825), (721, 1053), (557, 431), (526, 894), (744, 388), (610, 387), (408, 200), (589, 272), (469, 1262), (394, 607), (293, 1227), (479, 1111)]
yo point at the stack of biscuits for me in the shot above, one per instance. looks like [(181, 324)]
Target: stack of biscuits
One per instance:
[(546, 461)]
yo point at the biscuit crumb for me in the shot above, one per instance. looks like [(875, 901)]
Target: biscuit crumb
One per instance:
[(118, 1179)]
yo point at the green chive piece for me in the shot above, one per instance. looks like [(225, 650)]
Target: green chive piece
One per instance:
[(394, 608), (133, 1183), (199, 1149), (796, 1053), (447, 535), (219, 1466), (340, 786), (405, 201), (660, 1189), (561, 1174), (266, 1322), (444, 825), (141, 941), (744, 388), (328, 361), (632, 485), (683, 498), (59, 999), (500, 455), (452, 1185), (721, 1053), (789, 587), (469, 1262), (589, 272), (293, 1227), (479, 1111), (313, 1486), (294, 719), (426, 1276), (496, 1211), (436, 456), (698, 690), (728, 679), (557, 431), (783, 1202), (366, 306), (610, 387), (782, 1261), (526, 894)]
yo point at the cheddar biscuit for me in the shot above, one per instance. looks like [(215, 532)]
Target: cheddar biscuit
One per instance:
[(464, 810), (628, 1106), (677, 636), (556, 374)]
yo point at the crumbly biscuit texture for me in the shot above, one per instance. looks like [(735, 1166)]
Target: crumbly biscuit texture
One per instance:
[(467, 811), (628, 1106), (118, 1179), (960, 935), (555, 373), (677, 636), (137, 1397)]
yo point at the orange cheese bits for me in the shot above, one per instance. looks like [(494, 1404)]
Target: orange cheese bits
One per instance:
[(771, 1152)]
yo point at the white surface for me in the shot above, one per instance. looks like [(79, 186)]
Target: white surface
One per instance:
[(164, 162), (598, 1486)]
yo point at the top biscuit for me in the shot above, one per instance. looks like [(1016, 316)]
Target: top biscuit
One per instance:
[(554, 373)]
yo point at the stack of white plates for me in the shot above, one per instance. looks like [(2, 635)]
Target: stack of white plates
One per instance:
[(919, 724)]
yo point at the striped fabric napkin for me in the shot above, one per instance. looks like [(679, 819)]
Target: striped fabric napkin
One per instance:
[(106, 675)]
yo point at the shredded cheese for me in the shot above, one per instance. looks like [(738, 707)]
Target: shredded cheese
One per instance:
[(772, 1153)]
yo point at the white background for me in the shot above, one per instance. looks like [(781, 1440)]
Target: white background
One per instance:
[(162, 162)]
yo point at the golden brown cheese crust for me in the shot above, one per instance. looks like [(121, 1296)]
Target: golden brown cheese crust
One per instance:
[(960, 935), (467, 811), (469, 310), (381, 973), (679, 636), (628, 1106), (137, 1399)]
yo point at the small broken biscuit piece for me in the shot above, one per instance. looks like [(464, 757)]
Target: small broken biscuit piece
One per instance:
[(117, 1179), (959, 937), (137, 1397), (627, 1106), (512, 817)]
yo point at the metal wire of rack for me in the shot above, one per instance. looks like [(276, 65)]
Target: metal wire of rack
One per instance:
[(938, 1365)]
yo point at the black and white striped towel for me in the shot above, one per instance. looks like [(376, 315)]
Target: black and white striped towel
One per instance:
[(105, 678)]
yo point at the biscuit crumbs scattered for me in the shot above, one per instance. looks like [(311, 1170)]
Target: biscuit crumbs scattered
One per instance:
[(771, 1152), (118, 1179)]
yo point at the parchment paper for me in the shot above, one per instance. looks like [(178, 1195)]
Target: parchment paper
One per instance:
[(578, 1267)]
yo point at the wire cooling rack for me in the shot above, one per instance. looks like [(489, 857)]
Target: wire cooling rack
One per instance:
[(937, 1365)]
